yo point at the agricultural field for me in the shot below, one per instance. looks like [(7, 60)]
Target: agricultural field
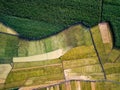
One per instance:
[(77, 53), (81, 85), (79, 59), (35, 73)]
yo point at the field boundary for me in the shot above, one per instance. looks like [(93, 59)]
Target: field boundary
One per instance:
[(100, 61)]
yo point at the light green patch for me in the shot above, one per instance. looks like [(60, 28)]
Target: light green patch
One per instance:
[(35, 64)]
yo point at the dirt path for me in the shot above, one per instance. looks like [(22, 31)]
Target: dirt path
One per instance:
[(46, 56), (35, 67)]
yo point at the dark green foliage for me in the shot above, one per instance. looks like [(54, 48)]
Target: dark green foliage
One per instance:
[(52, 15), (111, 9), (30, 29)]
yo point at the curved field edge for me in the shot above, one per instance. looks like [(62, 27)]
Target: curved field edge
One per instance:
[(63, 14), (85, 45)]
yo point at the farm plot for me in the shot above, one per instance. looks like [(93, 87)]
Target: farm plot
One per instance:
[(36, 76), (18, 65), (84, 72), (80, 52), (99, 43), (112, 71), (106, 36), (79, 62), (114, 55)]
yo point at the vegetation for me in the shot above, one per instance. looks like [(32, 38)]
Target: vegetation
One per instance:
[(37, 63), (40, 75), (50, 16), (79, 53), (110, 13), (114, 55), (98, 43), (8, 47), (80, 62)]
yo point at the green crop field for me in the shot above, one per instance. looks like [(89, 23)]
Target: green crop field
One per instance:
[(8, 47), (78, 53)]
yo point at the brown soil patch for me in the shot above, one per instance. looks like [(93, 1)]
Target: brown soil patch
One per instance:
[(46, 56), (92, 85), (77, 84), (68, 86), (2, 81), (105, 33)]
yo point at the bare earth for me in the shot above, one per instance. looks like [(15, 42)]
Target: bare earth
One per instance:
[(105, 33), (8, 30), (2, 81), (4, 70), (51, 55), (93, 85), (69, 75)]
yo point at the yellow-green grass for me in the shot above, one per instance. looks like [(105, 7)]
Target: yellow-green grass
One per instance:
[(112, 71), (36, 63), (1, 86), (114, 77), (118, 60), (80, 62), (62, 86), (110, 65), (79, 53), (98, 43), (114, 55), (84, 70), (107, 85), (39, 75), (42, 80), (85, 85)]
